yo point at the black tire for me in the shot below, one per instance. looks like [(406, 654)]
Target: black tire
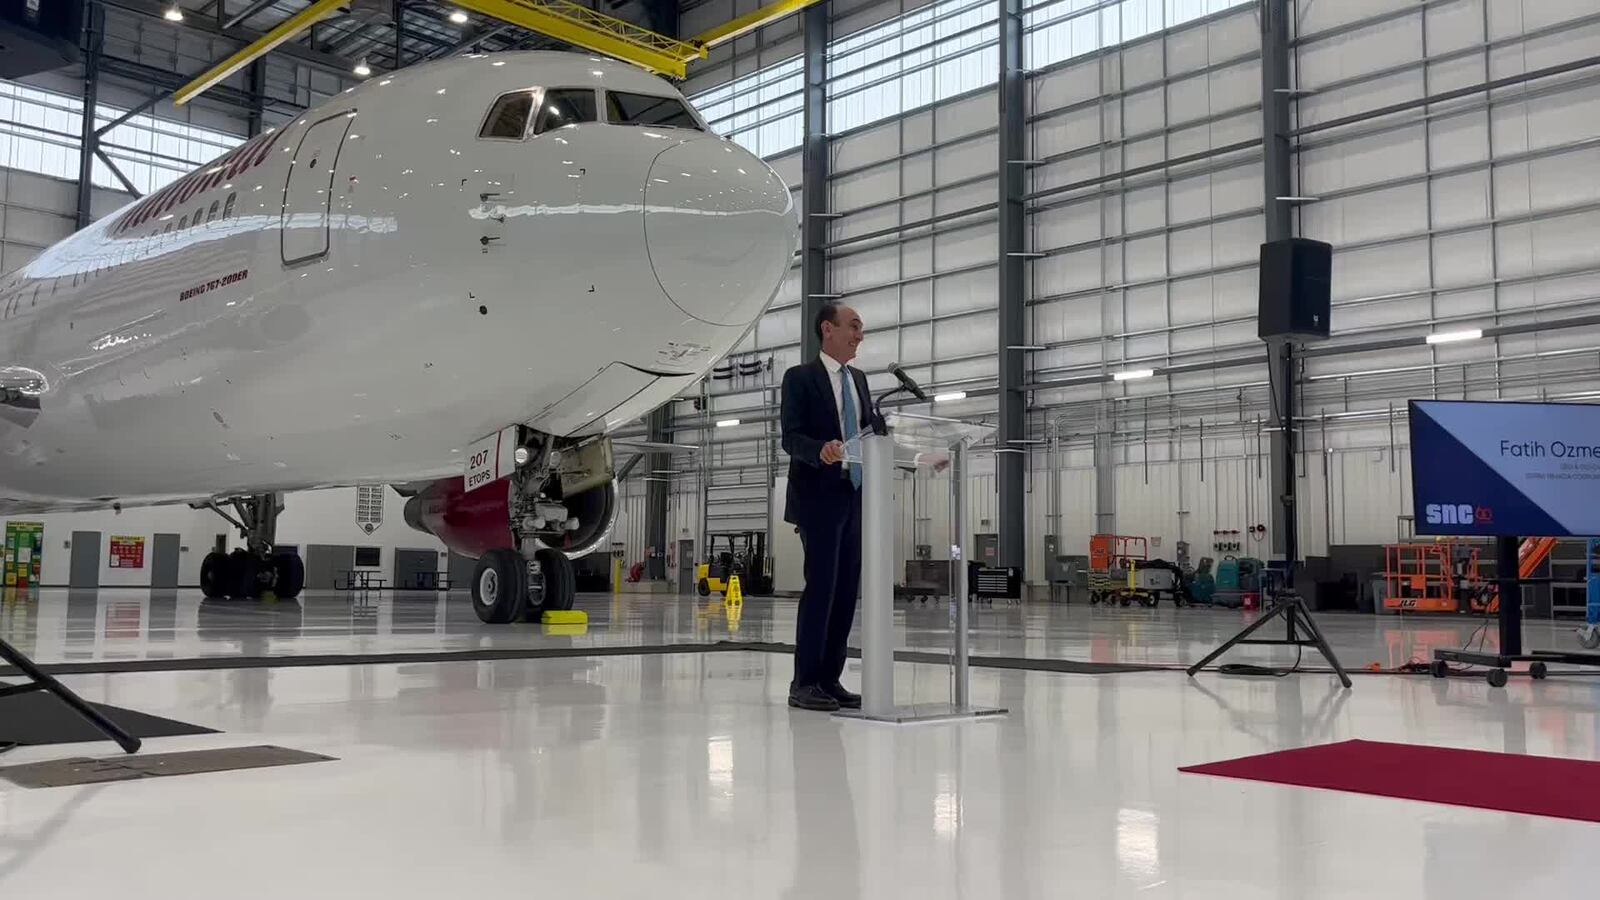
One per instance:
[(1497, 678), (216, 575), (499, 586), (704, 587), (246, 571), (288, 576), (1539, 671), (1439, 668), (560, 583)]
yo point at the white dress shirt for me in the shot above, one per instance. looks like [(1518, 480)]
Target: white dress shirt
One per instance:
[(834, 367)]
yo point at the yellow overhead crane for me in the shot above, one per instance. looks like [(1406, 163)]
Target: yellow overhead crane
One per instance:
[(560, 19)]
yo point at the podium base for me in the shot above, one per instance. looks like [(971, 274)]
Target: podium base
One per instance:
[(923, 712)]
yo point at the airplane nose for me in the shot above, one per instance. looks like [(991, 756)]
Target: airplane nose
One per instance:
[(720, 229)]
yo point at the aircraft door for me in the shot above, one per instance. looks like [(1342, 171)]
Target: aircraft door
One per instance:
[(308, 194)]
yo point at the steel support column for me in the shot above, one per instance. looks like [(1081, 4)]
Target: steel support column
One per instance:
[(258, 96), (94, 23), (1276, 125), (815, 163), (1011, 467), (656, 482)]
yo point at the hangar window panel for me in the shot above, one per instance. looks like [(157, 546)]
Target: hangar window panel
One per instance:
[(227, 207), (644, 109), (211, 214), (563, 107), (508, 118), (40, 134)]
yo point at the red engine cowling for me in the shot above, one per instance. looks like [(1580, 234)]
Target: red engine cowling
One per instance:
[(472, 524), (469, 524)]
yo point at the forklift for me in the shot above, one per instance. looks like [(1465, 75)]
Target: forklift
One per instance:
[(741, 553)]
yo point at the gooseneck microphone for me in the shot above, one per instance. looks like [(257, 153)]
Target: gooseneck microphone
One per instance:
[(907, 382)]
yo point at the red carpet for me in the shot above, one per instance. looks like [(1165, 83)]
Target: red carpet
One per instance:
[(1536, 785)]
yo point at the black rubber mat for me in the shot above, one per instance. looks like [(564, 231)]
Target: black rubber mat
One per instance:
[(86, 770), (40, 718), (443, 656)]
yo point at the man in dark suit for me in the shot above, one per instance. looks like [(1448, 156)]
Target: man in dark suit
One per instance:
[(825, 404)]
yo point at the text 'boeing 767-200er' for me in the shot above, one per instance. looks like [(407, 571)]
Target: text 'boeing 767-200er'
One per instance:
[(456, 279)]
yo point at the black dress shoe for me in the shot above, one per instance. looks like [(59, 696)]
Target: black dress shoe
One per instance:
[(812, 697), (845, 699)]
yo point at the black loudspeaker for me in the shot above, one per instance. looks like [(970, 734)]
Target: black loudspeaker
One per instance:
[(1296, 281), (38, 35)]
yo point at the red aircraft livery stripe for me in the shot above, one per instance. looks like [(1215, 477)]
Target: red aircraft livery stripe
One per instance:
[(241, 159)]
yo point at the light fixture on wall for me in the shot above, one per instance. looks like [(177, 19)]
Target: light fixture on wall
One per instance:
[(727, 423), (950, 397), (458, 17), (362, 69), (1451, 337), (174, 13), (1133, 374)]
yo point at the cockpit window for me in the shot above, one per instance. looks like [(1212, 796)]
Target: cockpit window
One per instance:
[(563, 107), (508, 118), (643, 109)]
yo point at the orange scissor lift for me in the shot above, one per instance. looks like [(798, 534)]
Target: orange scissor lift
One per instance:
[(1445, 576)]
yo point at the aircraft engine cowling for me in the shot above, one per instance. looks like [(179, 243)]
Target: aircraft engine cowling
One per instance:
[(474, 523)]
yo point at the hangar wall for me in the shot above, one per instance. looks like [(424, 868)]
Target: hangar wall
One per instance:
[(1458, 208)]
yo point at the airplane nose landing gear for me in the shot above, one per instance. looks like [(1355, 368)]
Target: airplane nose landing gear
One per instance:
[(508, 587), (254, 570)]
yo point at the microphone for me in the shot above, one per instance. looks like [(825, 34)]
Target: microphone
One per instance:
[(907, 382)]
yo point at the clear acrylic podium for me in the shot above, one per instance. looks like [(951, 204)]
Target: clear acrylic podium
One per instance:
[(921, 436)]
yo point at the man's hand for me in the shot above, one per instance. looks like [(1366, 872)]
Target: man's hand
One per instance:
[(832, 453)]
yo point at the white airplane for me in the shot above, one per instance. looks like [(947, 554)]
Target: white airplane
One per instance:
[(456, 279)]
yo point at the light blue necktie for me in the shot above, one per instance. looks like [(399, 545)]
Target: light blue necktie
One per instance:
[(852, 421)]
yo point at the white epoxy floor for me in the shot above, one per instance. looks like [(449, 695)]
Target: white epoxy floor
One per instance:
[(686, 776)]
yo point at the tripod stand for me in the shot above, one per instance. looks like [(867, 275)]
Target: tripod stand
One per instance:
[(39, 680), (1288, 605)]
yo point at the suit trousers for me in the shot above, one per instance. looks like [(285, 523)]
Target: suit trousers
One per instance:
[(831, 539)]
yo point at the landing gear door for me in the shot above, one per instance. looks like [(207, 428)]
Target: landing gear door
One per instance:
[(308, 193), (489, 198)]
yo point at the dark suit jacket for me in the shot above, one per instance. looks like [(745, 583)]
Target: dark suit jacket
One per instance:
[(811, 419)]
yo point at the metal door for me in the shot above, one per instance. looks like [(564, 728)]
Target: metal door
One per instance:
[(328, 565), (164, 561), (461, 571), (308, 193), (85, 571), (416, 570), (686, 567)]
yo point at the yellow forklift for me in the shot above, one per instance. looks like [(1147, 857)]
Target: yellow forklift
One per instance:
[(742, 553)]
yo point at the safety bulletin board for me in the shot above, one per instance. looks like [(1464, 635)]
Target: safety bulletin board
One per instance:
[(127, 551), (24, 561)]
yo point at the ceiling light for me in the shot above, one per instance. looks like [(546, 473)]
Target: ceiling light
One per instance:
[(1451, 337), (951, 396), (727, 423), (1133, 374), (362, 69), (173, 14), (458, 17)]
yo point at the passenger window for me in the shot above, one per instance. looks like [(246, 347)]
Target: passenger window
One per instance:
[(508, 118), (563, 107), (642, 109), (211, 214), (227, 208)]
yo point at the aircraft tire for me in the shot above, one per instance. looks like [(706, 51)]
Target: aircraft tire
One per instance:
[(288, 575), (499, 586), (560, 582), (215, 572), (244, 571)]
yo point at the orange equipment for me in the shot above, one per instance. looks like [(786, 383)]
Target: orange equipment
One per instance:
[(1108, 551), (1437, 577), (1531, 555)]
